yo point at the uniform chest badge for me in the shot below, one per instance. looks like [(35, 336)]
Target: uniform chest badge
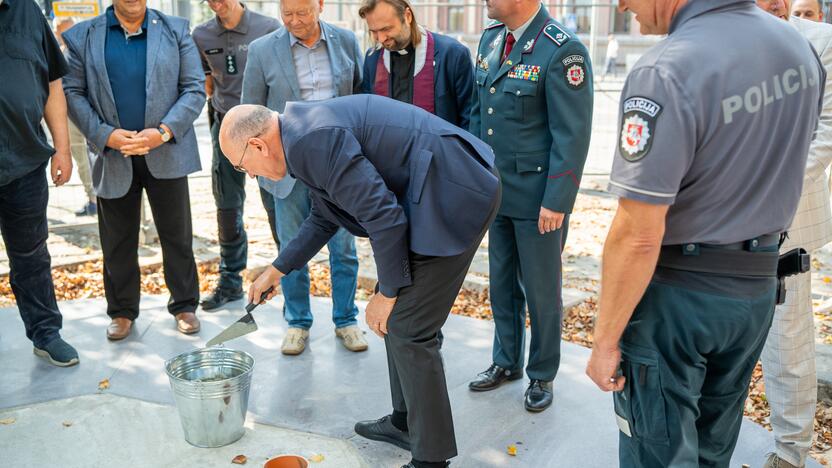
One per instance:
[(497, 41), (482, 63), (528, 45), (522, 71), (574, 70), (638, 128)]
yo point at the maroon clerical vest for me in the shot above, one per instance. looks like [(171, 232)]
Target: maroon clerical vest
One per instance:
[(423, 86)]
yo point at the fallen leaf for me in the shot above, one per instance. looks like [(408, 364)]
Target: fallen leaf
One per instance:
[(827, 279), (512, 450), (104, 384), (317, 458), (239, 460), (67, 423), (7, 421)]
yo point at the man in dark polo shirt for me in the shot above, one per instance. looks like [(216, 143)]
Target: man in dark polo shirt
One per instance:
[(223, 45), (31, 67)]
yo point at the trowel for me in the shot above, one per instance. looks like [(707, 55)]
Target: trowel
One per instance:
[(241, 327)]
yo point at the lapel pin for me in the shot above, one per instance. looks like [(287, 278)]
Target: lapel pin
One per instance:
[(528, 45)]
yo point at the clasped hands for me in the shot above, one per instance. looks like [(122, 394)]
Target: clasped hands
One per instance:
[(133, 143)]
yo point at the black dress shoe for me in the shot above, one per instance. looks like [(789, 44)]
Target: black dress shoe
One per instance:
[(493, 377), (538, 396), (383, 430), (220, 297)]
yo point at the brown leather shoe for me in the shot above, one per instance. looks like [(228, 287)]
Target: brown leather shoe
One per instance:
[(187, 323), (119, 328)]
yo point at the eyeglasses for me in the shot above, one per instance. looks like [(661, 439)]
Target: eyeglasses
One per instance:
[(239, 166)]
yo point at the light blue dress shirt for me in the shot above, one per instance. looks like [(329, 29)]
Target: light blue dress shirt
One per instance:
[(313, 69)]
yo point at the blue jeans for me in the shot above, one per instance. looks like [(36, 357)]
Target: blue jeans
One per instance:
[(24, 228), (343, 263)]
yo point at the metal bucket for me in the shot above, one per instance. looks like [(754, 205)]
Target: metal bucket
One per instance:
[(210, 387)]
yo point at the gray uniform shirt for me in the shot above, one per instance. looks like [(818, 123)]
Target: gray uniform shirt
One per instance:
[(313, 69), (717, 132), (224, 53)]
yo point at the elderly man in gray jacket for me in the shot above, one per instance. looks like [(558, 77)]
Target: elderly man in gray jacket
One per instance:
[(134, 88)]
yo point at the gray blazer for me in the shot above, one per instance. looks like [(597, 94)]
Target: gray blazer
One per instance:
[(271, 80), (175, 96)]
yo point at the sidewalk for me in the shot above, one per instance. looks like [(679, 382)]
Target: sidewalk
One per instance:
[(306, 404), (75, 240)]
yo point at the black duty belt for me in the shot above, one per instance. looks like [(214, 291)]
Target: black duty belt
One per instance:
[(755, 257)]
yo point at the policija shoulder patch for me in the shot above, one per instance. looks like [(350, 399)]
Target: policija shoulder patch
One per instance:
[(639, 125), (574, 71)]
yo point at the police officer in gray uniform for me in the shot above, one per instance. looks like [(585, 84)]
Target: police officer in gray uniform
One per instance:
[(223, 45), (709, 170)]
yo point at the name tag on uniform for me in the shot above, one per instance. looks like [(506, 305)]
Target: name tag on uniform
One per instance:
[(213, 51), (522, 71)]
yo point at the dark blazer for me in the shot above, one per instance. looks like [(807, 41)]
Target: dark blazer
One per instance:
[(453, 78), (390, 171)]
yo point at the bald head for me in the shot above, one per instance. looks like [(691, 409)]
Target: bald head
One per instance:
[(243, 122), (250, 140)]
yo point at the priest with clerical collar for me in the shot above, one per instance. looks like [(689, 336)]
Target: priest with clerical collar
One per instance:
[(413, 65)]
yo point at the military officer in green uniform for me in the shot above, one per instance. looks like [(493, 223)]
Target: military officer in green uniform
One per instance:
[(534, 107), (709, 169)]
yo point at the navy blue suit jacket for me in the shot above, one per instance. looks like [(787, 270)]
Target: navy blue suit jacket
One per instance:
[(453, 78), (390, 171)]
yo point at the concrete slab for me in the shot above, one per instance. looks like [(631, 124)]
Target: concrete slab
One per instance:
[(324, 391), (107, 430)]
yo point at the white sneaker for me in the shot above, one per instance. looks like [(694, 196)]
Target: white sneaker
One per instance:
[(352, 337), (774, 461), (294, 342)]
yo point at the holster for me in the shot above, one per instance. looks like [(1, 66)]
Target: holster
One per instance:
[(791, 263)]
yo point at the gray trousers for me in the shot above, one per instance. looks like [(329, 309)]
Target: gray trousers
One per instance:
[(417, 376), (78, 148)]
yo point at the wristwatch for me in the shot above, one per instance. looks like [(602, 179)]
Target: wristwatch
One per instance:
[(165, 135)]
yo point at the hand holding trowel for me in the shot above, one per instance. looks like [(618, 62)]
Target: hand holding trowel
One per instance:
[(241, 327)]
